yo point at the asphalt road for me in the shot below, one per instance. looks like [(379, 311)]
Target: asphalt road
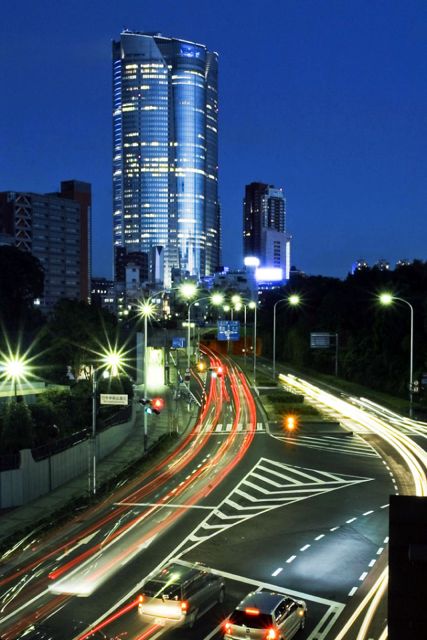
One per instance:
[(303, 514)]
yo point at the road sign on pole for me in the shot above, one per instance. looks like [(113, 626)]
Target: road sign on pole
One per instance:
[(114, 398), (228, 330)]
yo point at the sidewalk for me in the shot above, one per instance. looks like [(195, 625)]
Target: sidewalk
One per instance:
[(21, 520)]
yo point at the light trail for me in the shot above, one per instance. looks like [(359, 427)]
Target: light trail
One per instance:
[(413, 455)]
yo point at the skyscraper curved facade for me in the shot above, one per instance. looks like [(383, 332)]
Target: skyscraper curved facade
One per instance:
[(165, 152)]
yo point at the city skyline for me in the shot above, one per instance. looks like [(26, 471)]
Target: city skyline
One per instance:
[(324, 101)]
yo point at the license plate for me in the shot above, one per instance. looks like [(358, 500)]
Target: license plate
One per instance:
[(160, 622)]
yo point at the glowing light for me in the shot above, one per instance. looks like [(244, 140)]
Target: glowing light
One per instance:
[(15, 368), (252, 305), (252, 611), (147, 309), (294, 299), (268, 274), (236, 299), (251, 261), (217, 298), (386, 298), (113, 360), (188, 289)]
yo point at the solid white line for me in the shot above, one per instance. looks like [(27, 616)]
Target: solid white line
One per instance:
[(276, 573)]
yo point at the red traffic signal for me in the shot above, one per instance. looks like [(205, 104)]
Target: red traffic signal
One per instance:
[(157, 405)]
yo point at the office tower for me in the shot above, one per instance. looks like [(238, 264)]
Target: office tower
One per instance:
[(165, 156), (264, 207), (54, 227)]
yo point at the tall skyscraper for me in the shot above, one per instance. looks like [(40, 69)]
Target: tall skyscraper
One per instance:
[(264, 227), (165, 155)]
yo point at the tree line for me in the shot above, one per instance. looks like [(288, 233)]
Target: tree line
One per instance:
[(374, 340)]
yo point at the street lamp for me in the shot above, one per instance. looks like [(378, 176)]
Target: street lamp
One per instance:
[(294, 301), (15, 368), (253, 305), (147, 310), (386, 299), (188, 290), (216, 299), (112, 362)]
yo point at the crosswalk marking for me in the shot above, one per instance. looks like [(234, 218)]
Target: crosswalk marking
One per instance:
[(351, 445), (241, 428), (268, 485)]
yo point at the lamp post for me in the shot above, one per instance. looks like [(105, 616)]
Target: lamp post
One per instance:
[(387, 299), (111, 363), (216, 299), (147, 310), (293, 300), (253, 305)]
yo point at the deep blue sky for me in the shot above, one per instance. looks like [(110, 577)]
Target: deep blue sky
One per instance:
[(327, 98)]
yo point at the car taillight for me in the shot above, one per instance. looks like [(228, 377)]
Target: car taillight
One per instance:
[(227, 627), (184, 606), (140, 599), (271, 634)]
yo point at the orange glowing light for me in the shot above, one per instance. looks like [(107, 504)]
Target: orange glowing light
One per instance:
[(252, 611)]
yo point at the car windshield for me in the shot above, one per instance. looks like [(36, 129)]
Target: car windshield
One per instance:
[(157, 589), (257, 621)]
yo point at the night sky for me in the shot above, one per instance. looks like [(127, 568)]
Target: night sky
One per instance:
[(325, 98)]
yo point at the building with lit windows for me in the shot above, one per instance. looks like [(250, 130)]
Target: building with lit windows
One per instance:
[(264, 231), (55, 228), (165, 155)]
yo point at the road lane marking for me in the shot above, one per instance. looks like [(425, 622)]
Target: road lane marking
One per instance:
[(306, 546), (291, 559), (352, 591), (363, 576), (276, 573), (322, 535)]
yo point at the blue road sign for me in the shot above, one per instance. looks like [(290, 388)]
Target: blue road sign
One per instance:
[(178, 343), (228, 330)]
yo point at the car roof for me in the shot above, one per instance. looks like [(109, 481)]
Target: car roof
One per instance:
[(265, 601), (180, 573)]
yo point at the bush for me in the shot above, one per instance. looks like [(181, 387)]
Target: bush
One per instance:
[(17, 432)]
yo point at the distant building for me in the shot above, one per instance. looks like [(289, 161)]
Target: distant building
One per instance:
[(55, 228), (103, 294), (264, 230), (165, 154), (403, 262)]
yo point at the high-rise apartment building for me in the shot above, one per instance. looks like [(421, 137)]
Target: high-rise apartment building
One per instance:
[(264, 207), (264, 227), (165, 153), (55, 228)]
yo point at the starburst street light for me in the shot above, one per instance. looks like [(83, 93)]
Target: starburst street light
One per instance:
[(15, 368), (387, 299), (112, 362)]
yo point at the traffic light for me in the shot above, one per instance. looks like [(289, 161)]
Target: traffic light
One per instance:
[(154, 405), (290, 423), (157, 405)]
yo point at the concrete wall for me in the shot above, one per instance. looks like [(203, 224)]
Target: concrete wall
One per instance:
[(34, 479)]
